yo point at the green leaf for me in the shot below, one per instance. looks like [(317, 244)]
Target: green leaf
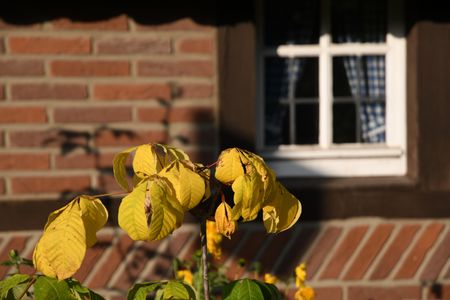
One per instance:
[(139, 291), (243, 289), (18, 291), (269, 291), (120, 170), (178, 290), (47, 288), (10, 282)]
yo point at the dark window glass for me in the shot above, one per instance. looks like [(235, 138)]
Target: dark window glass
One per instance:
[(291, 108), (359, 88), (362, 21), (291, 22)]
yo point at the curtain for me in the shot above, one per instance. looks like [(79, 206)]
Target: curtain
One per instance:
[(366, 75), (366, 78)]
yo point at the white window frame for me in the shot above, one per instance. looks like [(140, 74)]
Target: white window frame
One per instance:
[(342, 160)]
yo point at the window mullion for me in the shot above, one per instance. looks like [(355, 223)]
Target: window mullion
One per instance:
[(325, 78)]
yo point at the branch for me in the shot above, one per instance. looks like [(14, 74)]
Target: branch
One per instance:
[(204, 258)]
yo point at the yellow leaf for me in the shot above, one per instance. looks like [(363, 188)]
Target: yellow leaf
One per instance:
[(150, 211), (132, 213), (282, 211), (189, 187), (248, 196), (149, 159), (231, 165), (94, 215), (166, 212), (120, 170), (225, 224), (61, 249)]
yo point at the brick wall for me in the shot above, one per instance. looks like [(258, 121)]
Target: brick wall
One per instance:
[(355, 259), (73, 93)]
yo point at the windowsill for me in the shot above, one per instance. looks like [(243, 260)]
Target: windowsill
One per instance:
[(339, 161)]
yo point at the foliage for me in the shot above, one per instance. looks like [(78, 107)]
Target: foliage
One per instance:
[(164, 186)]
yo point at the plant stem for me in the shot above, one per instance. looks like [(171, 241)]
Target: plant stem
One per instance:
[(204, 258), (33, 280)]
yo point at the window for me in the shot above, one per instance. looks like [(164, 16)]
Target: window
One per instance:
[(332, 84)]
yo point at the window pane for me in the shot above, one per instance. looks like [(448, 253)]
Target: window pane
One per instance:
[(363, 21), (291, 108), (359, 99), (291, 22), (344, 123), (307, 124)]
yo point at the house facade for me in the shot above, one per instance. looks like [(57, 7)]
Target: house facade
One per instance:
[(348, 101)]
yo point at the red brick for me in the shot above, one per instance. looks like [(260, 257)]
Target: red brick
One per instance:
[(57, 184), (56, 91), (297, 250), (276, 246), (344, 252), (369, 251), (84, 161), (158, 68), (129, 138), (248, 251), (439, 292), (136, 264), (4, 25), (22, 115), (204, 156), (419, 251), (196, 45), (154, 114), (21, 67), (134, 45), (193, 90), (49, 45), (49, 138), (395, 251), (328, 293), (16, 243), (108, 184), (177, 242), (132, 91), (119, 23), (21, 161), (98, 68), (322, 293), (438, 260), (322, 249), (92, 114), (92, 256), (179, 24), (109, 266), (198, 137), (2, 138), (384, 293), (179, 114), (2, 92)]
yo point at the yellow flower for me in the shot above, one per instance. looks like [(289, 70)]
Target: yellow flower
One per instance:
[(213, 239), (305, 293), (269, 278), (185, 275), (300, 274)]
